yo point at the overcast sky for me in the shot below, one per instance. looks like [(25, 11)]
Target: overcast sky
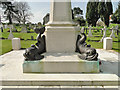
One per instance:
[(40, 8)]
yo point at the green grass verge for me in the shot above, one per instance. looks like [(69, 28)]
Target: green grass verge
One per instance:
[(24, 36), (6, 45)]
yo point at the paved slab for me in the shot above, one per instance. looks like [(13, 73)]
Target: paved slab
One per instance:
[(59, 88), (110, 61), (12, 74)]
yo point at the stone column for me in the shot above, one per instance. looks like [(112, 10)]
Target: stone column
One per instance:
[(60, 30), (60, 12)]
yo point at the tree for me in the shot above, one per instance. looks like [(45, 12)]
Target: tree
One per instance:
[(116, 15), (9, 10), (105, 10), (92, 12), (77, 10), (102, 9), (109, 11), (23, 15), (76, 16)]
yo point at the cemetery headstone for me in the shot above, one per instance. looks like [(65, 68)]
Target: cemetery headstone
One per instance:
[(107, 43), (5, 26), (117, 29), (1, 29), (10, 37), (104, 35), (30, 26), (90, 32), (112, 35), (100, 22), (16, 45), (32, 38), (24, 29)]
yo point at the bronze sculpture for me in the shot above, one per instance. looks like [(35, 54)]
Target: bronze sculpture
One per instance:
[(86, 52), (35, 51)]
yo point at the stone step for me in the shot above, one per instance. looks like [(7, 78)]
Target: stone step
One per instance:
[(59, 63), (59, 87), (62, 80)]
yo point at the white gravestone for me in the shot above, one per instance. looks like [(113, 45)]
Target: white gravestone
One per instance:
[(104, 35), (60, 30), (107, 43), (112, 35), (90, 32), (10, 37), (16, 45), (117, 29), (5, 26)]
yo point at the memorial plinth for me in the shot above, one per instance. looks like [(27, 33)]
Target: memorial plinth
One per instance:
[(60, 38), (60, 30), (61, 63)]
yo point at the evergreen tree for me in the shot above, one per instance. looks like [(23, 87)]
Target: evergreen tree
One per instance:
[(77, 10), (116, 15), (9, 10), (92, 12), (102, 9), (109, 11), (89, 12), (105, 10)]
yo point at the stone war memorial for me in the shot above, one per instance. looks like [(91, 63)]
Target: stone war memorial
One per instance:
[(61, 58), (60, 49)]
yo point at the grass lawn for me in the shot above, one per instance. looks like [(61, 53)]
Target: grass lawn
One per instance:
[(6, 45)]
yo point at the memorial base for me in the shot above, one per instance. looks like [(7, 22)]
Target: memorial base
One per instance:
[(61, 63)]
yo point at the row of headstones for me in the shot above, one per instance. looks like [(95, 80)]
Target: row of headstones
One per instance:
[(10, 37), (24, 29), (11, 27), (112, 35), (2, 27), (107, 41)]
